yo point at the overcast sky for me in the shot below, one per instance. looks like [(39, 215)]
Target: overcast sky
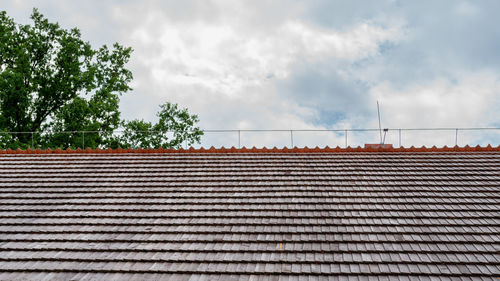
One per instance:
[(303, 64)]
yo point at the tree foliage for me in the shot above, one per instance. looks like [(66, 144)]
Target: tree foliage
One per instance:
[(53, 83), (174, 127)]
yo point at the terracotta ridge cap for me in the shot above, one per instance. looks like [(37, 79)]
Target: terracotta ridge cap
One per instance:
[(224, 150)]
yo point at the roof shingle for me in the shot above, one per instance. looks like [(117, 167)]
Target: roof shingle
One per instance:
[(243, 214)]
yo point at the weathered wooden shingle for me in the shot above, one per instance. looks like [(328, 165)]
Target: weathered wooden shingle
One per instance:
[(246, 215)]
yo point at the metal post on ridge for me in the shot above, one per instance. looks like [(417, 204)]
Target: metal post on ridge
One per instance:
[(379, 124), (345, 138), (399, 137)]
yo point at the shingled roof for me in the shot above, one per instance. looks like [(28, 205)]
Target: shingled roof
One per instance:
[(239, 214)]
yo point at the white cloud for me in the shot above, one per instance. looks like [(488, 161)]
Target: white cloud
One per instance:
[(466, 9), (227, 73), (20, 4), (222, 58), (302, 64), (471, 101)]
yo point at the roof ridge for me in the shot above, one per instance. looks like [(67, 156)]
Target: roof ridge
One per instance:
[(212, 149)]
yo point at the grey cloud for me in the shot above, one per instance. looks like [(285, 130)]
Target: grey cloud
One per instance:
[(320, 87), (341, 15), (93, 18), (438, 43), (441, 40)]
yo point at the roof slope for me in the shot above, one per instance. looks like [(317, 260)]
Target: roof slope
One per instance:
[(231, 216)]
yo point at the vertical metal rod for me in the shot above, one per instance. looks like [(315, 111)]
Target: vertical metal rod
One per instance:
[(291, 137), (379, 124), (456, 136), (83, 140), (346, 138), (399, 137), (239, 138)]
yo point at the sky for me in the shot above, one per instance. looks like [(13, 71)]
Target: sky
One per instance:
[(303, 65)]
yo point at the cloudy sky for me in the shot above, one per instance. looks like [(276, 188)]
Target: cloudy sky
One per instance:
[(303, 64)]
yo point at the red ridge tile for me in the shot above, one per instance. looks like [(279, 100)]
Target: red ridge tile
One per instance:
[(212, 149)]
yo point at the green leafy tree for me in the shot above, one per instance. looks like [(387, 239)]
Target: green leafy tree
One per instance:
[(174, 128), (53, 83)]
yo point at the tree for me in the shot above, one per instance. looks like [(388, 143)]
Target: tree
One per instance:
[(53, 83), (174, 127)]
